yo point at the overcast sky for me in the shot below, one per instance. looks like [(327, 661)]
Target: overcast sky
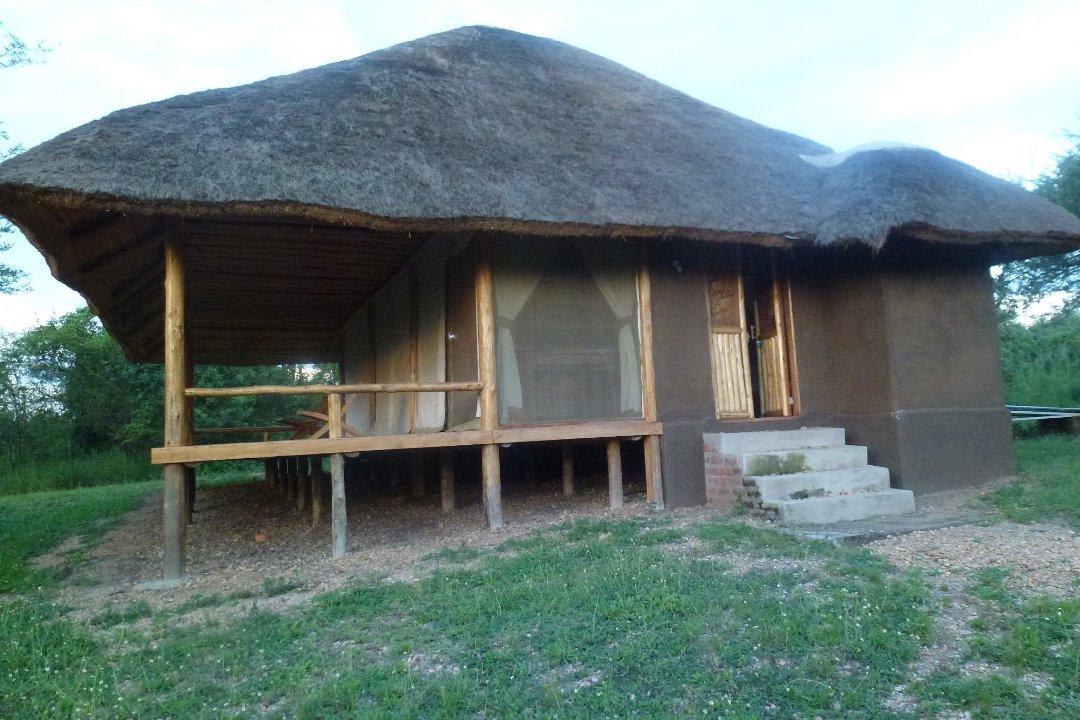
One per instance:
[(994, 83)]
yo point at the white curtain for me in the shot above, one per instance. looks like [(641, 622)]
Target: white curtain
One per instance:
[(517, 272), (392, 363), (357, 367), (431, 340), (614, 274)]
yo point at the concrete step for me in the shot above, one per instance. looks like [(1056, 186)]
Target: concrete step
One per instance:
[(780, 462), (824, 483), (742, 443), (842, 508)]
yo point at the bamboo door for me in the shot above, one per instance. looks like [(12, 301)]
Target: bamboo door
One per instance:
[(770, 341), (730, 342)]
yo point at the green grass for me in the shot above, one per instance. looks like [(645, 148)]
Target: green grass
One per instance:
[(35, 523), (92, 470), (1032, 648), (600, 620), (1050, 466)]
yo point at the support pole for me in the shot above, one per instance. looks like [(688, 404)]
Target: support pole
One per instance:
[(568, 470), (291, 481), (338, 519), (614, 472), (303, 483), (654, 482), (489, 408), (416, 479), (176, 411), (446, 479), (318, 490)]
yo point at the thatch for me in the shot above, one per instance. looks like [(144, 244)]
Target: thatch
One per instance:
[(335, 174), (486, 124)]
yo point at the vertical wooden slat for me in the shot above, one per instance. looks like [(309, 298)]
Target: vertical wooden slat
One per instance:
[(653, 478), (614, 470), (446, 479), (485, 323), (568, 470), (318, 490), (176, 413), (291, 481)]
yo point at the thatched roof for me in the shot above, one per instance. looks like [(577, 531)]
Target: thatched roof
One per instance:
[(481, 128)]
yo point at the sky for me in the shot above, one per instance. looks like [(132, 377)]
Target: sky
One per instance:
[(994, 83)]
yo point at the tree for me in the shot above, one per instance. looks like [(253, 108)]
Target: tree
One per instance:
[(14, 53), (1023, 283)]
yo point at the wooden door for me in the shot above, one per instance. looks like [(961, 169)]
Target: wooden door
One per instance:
[(730, 341), (770, 336)]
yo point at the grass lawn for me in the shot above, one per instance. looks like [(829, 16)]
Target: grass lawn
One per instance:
[(1050, 466), (630, 618)]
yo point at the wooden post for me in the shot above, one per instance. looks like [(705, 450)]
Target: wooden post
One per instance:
[(446, 479), (338, 519), (416, 484), (614, 473), (291, 481), (176, 412), (270, 472), (568, 470), (654, 483), (489, 408), (189, 494), (318, 490), (189, 433), (283, 474), (303, 483)]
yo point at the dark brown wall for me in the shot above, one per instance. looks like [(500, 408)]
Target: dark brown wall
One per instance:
[(902, 354)]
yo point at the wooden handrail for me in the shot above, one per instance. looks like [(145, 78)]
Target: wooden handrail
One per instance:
[(245, 430), (333, 389)]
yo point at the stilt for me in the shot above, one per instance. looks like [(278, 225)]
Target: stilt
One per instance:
[(446, 479), (270, 472), (291, 481), (568, 470), (416, 475), (492, 486), (283, 474), (303, 484), (337, 504), (175, 527), (654, 480), (614, 471), (318, 490), (189, 494)]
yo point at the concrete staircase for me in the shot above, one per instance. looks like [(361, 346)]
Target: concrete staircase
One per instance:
[(809, 476)]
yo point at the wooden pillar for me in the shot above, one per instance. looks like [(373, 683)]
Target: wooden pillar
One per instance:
[(568, 470), (318, 490), (446, 479), (303, 483), (614, 473), (270, 472), (338, 519), (189, 494), (291, 481), (176, 410), (654, 482), (416, 476), (489, 408), (283, 474)]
